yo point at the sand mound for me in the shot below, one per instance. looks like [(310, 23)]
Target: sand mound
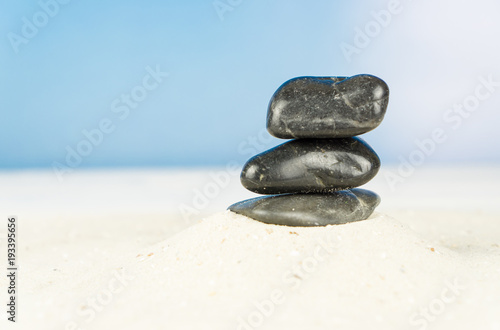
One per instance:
[(230, 272)]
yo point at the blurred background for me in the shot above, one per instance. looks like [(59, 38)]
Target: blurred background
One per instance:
[(187, 84), (153, 107)]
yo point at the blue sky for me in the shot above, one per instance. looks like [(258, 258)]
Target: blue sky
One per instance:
[(73, 72)]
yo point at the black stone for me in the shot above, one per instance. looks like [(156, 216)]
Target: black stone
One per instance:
[(327, 107), (311, 166), (310, 209)]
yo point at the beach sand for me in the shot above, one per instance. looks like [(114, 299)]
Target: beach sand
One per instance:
[(415, 264)]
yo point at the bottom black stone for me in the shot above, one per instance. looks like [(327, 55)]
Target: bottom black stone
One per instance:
[(307, 210)]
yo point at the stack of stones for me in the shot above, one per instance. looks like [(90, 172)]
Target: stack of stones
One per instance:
[(311, 178)]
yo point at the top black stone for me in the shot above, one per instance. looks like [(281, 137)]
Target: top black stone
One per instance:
[(327, 107)]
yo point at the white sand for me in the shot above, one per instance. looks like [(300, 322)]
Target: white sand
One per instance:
[(428, 265)]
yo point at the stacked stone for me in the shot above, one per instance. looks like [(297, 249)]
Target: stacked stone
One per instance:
[(311, 178)]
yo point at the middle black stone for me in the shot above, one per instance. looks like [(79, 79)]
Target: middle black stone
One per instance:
[(311, 166)]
